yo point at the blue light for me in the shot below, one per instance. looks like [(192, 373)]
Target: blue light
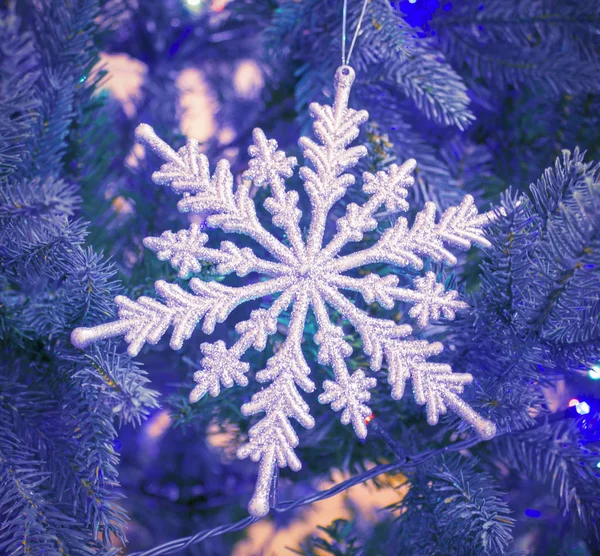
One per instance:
[(594, 372), (413, 1), (598, 465), (530, 512), (583, 408)]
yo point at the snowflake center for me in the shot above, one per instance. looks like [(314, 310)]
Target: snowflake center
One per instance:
[(309, 271), (304, 271)]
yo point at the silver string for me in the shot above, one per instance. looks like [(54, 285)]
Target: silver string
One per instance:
[(346, 61), (344, 14)]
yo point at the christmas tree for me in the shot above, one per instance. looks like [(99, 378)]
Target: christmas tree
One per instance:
[(489, 103)]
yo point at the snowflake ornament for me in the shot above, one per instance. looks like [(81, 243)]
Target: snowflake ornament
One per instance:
[(305, 275)]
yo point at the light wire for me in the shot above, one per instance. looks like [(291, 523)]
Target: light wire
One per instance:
[(406, 463)]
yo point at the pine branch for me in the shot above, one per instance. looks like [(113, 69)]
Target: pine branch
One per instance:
[(34, 462), (62, 487), (555, 456), (551, 48), (453, 508), (19, 71)]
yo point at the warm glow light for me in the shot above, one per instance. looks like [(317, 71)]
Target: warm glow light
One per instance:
[(583, 408), (594, 372), (158, 424), (573, 402), (219, 5)]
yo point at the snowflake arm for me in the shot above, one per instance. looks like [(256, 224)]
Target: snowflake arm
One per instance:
[(268, 165), (185, 249), (348, 392), (335, 128), (374, 332), (350, 396), (400, 246), (187, 173), (222, 366), (147, 320), (389, 188), (272, 440), (434, 384), (429, 299)]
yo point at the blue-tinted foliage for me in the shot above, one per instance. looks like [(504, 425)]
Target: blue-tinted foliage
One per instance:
[(485, 94), (58, 475)]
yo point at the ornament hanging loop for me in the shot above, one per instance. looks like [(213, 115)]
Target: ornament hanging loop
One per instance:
[(344, 77), (346, 60)]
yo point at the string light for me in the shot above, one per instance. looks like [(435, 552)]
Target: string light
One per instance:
[(594, 372), (583, 408)]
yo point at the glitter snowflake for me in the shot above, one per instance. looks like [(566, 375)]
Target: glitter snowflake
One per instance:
[(304, 274)]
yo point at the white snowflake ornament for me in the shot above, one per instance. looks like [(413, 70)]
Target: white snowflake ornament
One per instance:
[(306, 275)]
